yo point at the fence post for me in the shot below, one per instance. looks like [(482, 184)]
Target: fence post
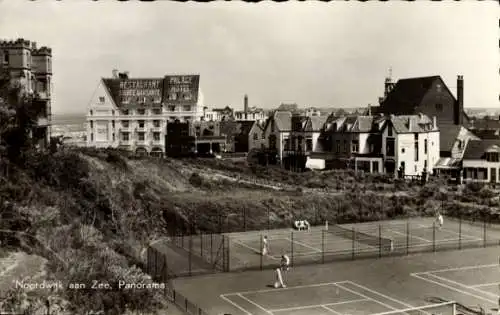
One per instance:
[(190, 250), (460, 233), (268, 218), (211, 248), (245, 219), (407, 238), (291, 235), (201, 245), (484, 231), (322, 246), (261, 252), (379, 241), (434, 236), (353, 242)]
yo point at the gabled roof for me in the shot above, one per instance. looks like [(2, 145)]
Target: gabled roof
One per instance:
[(411, 123), (476, 148), (407, 94), (315, 123), (283, 120)]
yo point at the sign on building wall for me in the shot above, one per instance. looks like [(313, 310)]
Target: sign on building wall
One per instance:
[(181, 89), (140, 91)]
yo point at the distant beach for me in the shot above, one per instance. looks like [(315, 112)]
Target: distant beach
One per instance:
[(68, 119)]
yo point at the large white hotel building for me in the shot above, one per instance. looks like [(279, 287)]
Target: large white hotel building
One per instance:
[(132, 113)]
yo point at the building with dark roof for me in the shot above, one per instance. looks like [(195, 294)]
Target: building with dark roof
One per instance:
[(481, 161), (427, 95)]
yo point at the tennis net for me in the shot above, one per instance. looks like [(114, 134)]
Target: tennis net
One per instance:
[(361, 237)]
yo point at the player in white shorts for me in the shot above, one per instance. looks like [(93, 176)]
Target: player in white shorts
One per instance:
[(440, 220), (284, 266), (265, 246)]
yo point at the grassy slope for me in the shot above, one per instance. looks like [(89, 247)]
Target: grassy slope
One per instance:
[(99, 210)]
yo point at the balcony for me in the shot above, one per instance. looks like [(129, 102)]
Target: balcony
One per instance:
[(42, 121), (124, 129), (140, 142), (125, 142), (140, 129)]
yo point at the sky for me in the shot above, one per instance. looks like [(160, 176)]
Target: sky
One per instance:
[(323, 54)]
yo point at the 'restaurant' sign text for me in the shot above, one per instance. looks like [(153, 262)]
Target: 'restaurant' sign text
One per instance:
[(140, 91)]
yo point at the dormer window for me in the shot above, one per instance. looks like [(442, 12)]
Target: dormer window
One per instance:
[(492, 157), (389, 131), (101, 99)]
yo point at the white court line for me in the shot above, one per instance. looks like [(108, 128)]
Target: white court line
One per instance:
[(484, 284), (305, 245), (316, 305), (460, 268), (285, 289), (454, 289), (413, 309), (330, 310), (366, 297), (411, 235), (461, 285), (382, 295), (453, 232), (252, 302), (235, 305)]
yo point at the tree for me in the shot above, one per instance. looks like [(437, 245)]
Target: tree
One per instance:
[(19, 112), (230, 128)]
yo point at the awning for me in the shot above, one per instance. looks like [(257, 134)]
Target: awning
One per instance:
[(448, 163)]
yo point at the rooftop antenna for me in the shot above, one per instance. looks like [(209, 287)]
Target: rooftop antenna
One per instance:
[(390, 72)]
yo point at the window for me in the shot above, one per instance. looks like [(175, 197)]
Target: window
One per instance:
[(355, 146), (172, 96), (492, 157), (141, 111), (403, 166), (309, 145), (293, 143), (91, 124), (425, 164), (425, 146), (187, 97), (255, 136), (156, 136), (113, 136), (374, 166), (415, 168), (439, 107), (157, 111), (390, 147), (186, 108), (125, 136), (113, 112), (346, 148), (287, 144), (156, 123), (171, 108), (140, 136), (5, 56), (125, 123), (338, 146), (113, 124), (389, 131), (402, 150), (125, 112), (91, 136), (141, 123), (101, 99), (91, 112)]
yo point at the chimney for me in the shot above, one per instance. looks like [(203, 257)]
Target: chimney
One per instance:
[(434, 122), (459, 105), (369, 109), (115, 74), (245, 106)]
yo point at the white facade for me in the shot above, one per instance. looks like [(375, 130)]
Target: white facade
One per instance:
[(251, 115), (139, 129), (256, 139)]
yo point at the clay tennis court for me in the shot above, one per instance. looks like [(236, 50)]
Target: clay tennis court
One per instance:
[(371, 286)]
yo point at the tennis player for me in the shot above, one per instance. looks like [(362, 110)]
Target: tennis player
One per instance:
[(265, 246), (439, 220), (284, 266)]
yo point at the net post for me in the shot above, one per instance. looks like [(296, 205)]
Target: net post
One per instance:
[(228, 268), (291, 258), (322, 246), (434, 236), (460, 233), (245, 219), (353, 243), (454, 308), (261, 251), (407, 238), (380, 241)]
